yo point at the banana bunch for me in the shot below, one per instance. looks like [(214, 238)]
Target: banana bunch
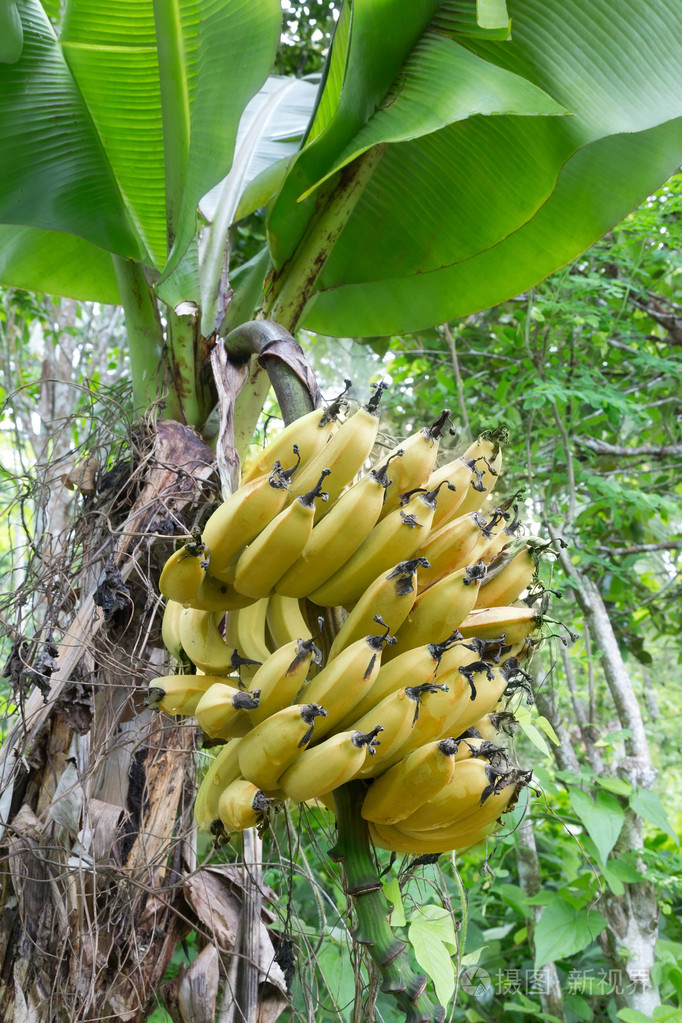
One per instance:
[(333, 624)]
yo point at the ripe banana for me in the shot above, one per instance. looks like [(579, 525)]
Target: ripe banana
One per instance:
[(310, 434), (440, 840), (285, 620), (179, 694), (170, 628), (393, 539), (390, 597), (322, 768), (441, 608), (458, 543), (222, 770), (413, 667), (502, 535), (345, 454), (183, 572), (245, 633), (241, 805), (513, 623), (419, 457), (280, 677), (403, 788), (397, 714), (273, 745), (216, 595), (487, 453), (201, 640), (278, 546), (509, 574), (343, 682), (337, 535), (222, 711), (474, 784)]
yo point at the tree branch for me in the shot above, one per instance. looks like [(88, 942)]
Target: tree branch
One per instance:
[(641, 451)]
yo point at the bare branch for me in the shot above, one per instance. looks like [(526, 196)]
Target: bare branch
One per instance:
[(641, 451)]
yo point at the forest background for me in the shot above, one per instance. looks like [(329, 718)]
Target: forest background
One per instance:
[(585, 370)]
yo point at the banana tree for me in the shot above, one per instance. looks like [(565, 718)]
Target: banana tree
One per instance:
[(453, 153)]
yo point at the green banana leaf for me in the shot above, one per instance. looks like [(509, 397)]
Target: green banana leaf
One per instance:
[(113, 131), (464, 213)]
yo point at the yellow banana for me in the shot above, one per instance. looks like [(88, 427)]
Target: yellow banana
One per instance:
[(241, 518), (458, 814), (343, 682), (487, 468), (216, 595), (496, 728), (470, 744), (345, 454), (245, 633), (397, 714), (403, 788), (413, 667), (179, 694), (280, 677), (337, 535), (183, 572), (394, 539), (441, 608), (324, 767), (170, 628), (389, 836), (509, 574), (310, 434), (273, 745), (285, 620), (278, 546), (419, 454), (513, 623), (458, 543), (501, 535), (222, 770), (390, 597), (222, 711), (241, 805), (202, 642)]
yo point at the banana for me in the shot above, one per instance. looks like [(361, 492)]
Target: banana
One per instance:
[(390, 597), (487, 454), (245, 633), (240, 519), (458, 543), (281, 676), (170, 629), (241, 805), (285, 620), (343, 681), (273, 745), (509, 574), (413, 667), (512, 623), (470, 744), (394, 539), (222, 770), (201, 640), (419, 454), (345, 454), (278, 546), (403, 788), (441, 608), (397, 714), (389, 836), (183, 572), (322, 768), (310, 434), (337, 535), (502, 535), (457, 813), (216, 595), (222, 711), (179, 694)]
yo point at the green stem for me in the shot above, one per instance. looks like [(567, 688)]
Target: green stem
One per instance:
[(145, 335), (254, 338), (372, 909), (187, 363), (293, 285)]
